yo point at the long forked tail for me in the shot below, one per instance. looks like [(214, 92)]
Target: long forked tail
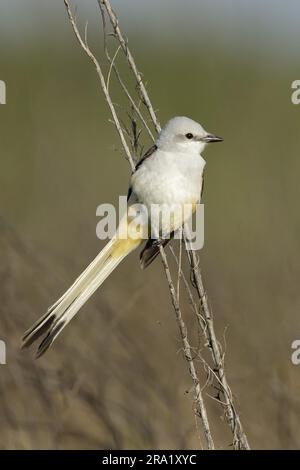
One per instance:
[(66, 307)]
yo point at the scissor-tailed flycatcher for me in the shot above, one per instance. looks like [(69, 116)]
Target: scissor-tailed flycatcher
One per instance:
[(170, 175)]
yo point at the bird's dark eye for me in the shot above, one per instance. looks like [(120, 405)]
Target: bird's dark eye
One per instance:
[(189, 135)]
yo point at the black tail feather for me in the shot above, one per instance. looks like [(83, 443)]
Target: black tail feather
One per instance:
[(151, 250), (49, 338), (37, 330)]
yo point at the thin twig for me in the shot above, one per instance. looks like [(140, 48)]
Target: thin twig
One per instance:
[(115, 24), (239, 437), (120, 80), (200, 409), (206, 324), (112, 65), (179, 264), (200, 318), (92, 57)]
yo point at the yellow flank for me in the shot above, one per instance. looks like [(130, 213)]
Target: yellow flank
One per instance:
[(122, 247), (126, 242), (130, 236)]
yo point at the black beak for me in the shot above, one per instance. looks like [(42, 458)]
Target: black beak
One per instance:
[(212, 138)]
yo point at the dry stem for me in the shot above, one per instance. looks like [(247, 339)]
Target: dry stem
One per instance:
[(204, 315)]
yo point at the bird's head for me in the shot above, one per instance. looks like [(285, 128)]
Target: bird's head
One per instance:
[(182, 134)]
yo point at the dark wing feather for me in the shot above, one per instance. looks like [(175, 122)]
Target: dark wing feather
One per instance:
[(151, 250), (146, 155), (202, 188)]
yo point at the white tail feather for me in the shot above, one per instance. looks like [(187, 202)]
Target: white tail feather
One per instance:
[(66, 307)]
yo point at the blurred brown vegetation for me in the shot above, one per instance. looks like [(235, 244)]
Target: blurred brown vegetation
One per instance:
[(116, 378), (107, 386)]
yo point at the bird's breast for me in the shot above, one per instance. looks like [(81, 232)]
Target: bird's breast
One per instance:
[(169, 179)]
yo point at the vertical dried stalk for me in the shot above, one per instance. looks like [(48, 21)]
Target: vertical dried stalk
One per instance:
[(121, 82), (239, 437), (200, 409), (105, 4), (205, 317), (85, 47)]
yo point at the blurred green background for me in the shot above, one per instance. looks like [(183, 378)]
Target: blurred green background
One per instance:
[(116, 378)]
